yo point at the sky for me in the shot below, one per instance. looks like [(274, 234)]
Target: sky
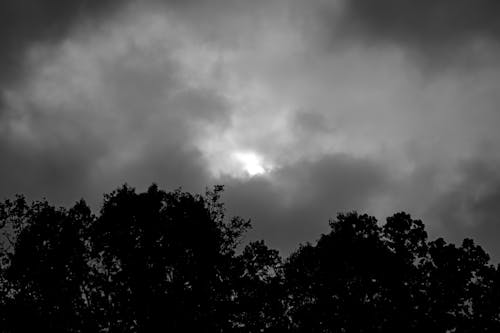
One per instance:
[(302, 109)]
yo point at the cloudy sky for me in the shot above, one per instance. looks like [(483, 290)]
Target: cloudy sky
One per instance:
[(301, 108)]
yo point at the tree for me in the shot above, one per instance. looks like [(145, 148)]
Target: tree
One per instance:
[(148, 261), (340, 282), (166, 259), (406, 240), (46, 269), (258, 299), (173, 261), (361, 277)]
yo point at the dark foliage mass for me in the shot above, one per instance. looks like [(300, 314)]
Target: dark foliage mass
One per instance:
[(171, 262)]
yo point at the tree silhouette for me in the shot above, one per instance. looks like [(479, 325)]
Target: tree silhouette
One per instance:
[(259, 294), (340, 282), (364, 278), (165, 259), (47, 268), (173, 261)]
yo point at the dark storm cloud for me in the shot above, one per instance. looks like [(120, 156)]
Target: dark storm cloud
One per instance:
[(90, 163), (25, 22), (431, 28), (295, 203), (44, 172), (471, 208), (99, 111)]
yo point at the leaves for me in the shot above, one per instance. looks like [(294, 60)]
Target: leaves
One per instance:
[(172, 261)]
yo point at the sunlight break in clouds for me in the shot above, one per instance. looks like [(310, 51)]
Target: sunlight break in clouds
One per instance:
[(251, 163)]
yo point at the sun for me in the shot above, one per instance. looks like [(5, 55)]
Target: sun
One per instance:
[(251, 163), (239, 163)]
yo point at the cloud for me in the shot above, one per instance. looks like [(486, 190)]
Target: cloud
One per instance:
[(436, 33), (323, 97), (293, 204), (24, 24), (100, 110), (469, 207), (439, 23)]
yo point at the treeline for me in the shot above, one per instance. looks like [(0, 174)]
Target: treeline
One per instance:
[(172, 262)]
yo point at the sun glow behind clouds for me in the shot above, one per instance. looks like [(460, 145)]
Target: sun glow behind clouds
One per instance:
[(250, 163)]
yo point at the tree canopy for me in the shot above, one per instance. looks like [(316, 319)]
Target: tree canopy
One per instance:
[(173, 261)]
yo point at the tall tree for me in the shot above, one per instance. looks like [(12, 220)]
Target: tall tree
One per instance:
[(47, 268), (166, 258), (339, 282)]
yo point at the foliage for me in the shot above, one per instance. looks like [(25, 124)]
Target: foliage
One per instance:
[(173, 261)]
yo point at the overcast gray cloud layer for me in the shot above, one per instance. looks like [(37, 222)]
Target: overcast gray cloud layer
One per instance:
[(24, 23), (302, 109)]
